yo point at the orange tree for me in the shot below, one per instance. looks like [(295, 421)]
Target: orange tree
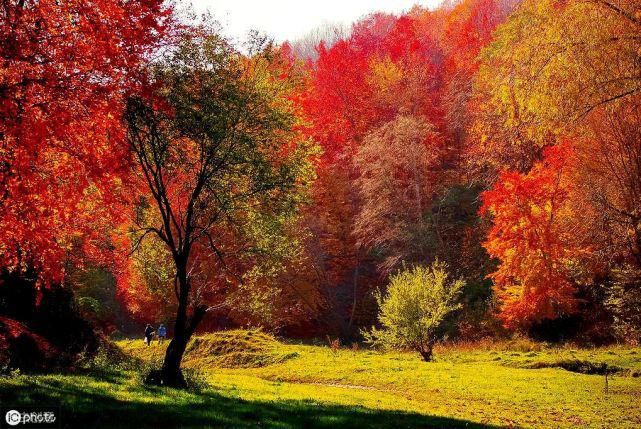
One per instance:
[(533, 241)]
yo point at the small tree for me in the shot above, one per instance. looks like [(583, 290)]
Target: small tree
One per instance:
[(414, 307)]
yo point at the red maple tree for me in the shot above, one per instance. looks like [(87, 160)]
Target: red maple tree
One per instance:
[(65, 69)]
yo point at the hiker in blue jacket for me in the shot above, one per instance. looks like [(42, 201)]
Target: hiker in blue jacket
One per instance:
[(162, 333)]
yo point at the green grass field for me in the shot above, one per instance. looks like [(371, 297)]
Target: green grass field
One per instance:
[(253, 380)]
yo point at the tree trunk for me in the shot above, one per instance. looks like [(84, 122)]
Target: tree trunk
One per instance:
[(354, 298), (170, 374)]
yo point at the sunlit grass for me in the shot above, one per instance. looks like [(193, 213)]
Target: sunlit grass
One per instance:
[(487, 384)]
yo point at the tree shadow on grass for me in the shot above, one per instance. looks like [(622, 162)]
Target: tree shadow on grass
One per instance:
[(89, 403)]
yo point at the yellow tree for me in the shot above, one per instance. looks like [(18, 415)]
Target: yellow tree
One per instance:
[(551, 64)]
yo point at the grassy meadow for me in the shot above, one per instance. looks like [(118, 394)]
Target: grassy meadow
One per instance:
[(253, 380)]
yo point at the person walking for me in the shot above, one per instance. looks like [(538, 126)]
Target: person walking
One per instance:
[(149, 334), (162, 333)]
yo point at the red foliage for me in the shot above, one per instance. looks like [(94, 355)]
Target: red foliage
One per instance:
[(337, 99), (66, 67), (388, 67), (343, 104), (468, 29)]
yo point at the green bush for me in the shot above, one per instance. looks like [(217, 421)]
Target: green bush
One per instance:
[(108, 357), (414, 308)]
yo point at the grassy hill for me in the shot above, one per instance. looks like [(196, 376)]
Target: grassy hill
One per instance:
[(254, 379)]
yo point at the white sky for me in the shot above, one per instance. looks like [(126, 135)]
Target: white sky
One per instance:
[(290, 19)]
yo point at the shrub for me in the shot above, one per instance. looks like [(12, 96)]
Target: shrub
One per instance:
[(108, 357), (414, 308)]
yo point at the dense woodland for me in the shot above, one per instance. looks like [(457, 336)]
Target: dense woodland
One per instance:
[(152, 171)]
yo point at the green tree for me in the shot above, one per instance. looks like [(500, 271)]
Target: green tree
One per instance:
[(414, 307), (218, 153)]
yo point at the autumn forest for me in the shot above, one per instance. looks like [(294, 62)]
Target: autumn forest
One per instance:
[(448, 185)]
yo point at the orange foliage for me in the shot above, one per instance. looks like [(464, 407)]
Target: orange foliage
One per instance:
[(532, 238)]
